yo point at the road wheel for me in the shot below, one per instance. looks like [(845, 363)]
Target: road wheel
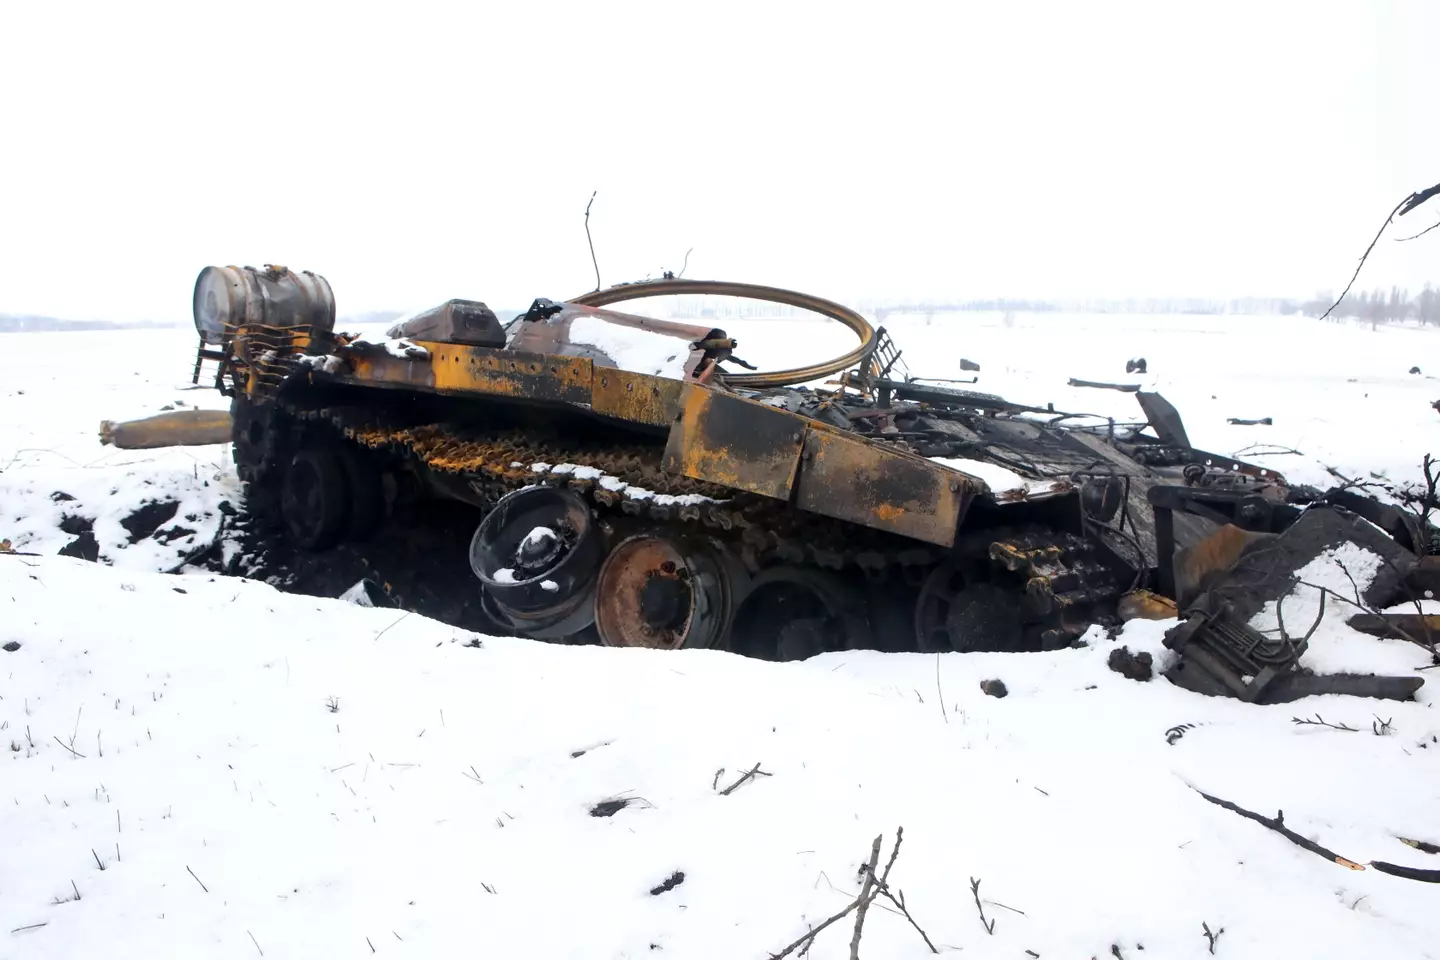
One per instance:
[(316, 498)]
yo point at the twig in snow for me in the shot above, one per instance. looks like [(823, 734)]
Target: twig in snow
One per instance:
[(97, 858), (1420, 845), (473, 775), (899, 900), (591, 242), (198, 880), (1381, 728), (939, 692), (989, 925), (32, 926), (1320, 721), (1278, 825), (333, 705), (70, 748), (372, 946), (1407, 873), (803, 944), (1212, 937), (256, 942), (750, 774), (397, 621), (873, 886), (715, 782), (863, 901)]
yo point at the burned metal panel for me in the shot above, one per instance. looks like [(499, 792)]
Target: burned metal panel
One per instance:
[(456, 368), (852, 479), (1187, 528), (531, 376), (725, 439), (454, 321), (637, 397)]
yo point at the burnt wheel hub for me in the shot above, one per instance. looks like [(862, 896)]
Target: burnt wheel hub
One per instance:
[(665, 601), (536, 555), (664, 593)]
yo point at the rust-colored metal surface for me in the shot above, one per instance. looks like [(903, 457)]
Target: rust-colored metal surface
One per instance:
[(555, 335), (178, 428), (725, 439), (1146, 605), (849, 478), (638, 397), (637, 566), (454, 368), (1198, 564)]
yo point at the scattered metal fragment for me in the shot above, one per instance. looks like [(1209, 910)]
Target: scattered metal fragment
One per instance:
[(1123, 387)]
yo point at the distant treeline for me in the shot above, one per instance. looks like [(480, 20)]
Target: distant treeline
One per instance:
[(1380, 306), (1148, 305), (10, 323)]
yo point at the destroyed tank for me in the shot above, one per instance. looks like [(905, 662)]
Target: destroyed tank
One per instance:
[(632, 488)]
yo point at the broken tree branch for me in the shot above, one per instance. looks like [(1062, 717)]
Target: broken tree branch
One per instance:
[(863, 901), (750, 774), (989, 925), (1401, 208), (1212, 937), (1320, 721), (1407, 873), (803, 944), (1417, 236), (1278, 825), (1420, 845), (592, 242), (873, 886), (70, 748)]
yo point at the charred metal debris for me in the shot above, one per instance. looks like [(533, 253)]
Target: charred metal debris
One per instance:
[(663, 498)]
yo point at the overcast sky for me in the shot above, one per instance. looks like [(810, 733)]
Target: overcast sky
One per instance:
[(413, 152)]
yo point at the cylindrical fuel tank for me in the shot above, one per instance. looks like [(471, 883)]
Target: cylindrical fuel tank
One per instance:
[(228, 297)]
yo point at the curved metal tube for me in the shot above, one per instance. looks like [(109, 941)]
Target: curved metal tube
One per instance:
[(753, 291)]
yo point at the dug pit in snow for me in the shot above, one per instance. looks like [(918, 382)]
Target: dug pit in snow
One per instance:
[(84, 546), (149, 518)]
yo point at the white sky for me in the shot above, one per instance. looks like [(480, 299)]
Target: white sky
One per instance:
[(413, 152)]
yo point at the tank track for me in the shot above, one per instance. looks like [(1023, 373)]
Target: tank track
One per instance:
[(629, 483), (625, 481)]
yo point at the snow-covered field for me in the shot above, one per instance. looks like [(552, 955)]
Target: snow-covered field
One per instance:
[(197, 766)]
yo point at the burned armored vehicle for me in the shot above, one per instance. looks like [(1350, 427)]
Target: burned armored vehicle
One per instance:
[(635, 483)]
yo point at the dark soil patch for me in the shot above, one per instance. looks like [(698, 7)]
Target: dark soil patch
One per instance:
[(149, 518), (420, 560), (670, 883), (84, 546), (76, 525), (1133, 666), (171, 534), (608, 808), (60, 496), (994, 688)]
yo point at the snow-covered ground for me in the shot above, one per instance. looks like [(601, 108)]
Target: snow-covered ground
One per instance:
[(199, 766)]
